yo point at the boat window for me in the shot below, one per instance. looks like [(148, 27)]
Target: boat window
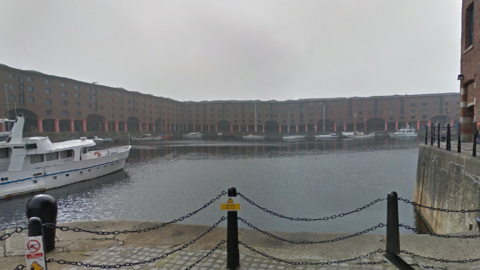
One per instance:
[(51, 156), (66, 154), (31, 146), (36, 158), (85, 150), (4, 153)]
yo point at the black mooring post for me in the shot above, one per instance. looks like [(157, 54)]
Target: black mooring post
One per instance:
[(44, 207), (35, 228), (438, 136), (233, 254), (448, 138), (475, 136), (432, 134), (459, 141), (426, 134), (393, 234)]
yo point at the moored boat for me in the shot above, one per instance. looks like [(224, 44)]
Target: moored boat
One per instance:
[(147, 137), (327, 136), (253, 137), (192, 135), (293, 137), (36, 164), (404, 132)]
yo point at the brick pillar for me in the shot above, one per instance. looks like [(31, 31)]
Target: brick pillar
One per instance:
[(147, 128), (39, 125), (125, 126), (72, 125), (306, 128), (296, 128), (316, 127), (140, 126), (334, 127), (153, 126), (209, 127), (170, 127), (279, 128), (247, 128), (116, 125), (57, 125), (396, 125), (451, 123), (365, 126), (345, 127), (239, 128), (84, 125), (105, 126), (216, 128), (201, 128), (418, 124), (386, 125), (194, 127)]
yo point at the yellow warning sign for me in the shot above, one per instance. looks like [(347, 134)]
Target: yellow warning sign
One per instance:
[(35, 266), (230, 205)]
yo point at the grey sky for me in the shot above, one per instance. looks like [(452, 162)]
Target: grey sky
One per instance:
[(223, 50)]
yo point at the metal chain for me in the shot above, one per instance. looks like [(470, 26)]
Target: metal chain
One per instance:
[(380, 225), (76, 229), (437, 235), (7, 235), (206, 255), (439, 260), (88, 265), (438, 208), (309, 219), (19, 267), (310, 263)]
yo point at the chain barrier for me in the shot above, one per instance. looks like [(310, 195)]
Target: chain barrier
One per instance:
[(438, 208), (437, 235), (206, 255), (19, 267), (380, 225), (439, 260), (7, 235), (310, 219), (76, 229), (311, 263), (88, 265)]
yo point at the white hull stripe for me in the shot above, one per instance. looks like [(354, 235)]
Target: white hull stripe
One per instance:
[(46, 175)]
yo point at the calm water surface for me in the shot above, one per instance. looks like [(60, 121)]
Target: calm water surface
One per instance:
[(307, 179)]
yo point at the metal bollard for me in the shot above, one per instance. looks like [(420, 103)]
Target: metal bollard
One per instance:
[(448, 138), (438, 136), (44, 207), (393, 234), (426, 134), (474, 150), (233, 254), (459, 141), (478, 223)]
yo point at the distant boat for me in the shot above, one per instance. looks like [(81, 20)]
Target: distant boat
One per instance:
[(147, 137), (253, 137), (328, 136), (96, 139), (404, 132), (293, 137), (193, 135)]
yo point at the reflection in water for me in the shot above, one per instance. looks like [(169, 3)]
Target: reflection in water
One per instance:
[(165, 180)]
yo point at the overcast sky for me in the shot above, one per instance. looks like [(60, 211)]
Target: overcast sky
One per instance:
[(243, 50)]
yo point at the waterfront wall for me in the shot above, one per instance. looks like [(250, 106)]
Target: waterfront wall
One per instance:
[(448, 180)]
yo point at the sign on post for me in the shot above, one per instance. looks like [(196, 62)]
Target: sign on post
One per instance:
[(230, 204), (34, 253)]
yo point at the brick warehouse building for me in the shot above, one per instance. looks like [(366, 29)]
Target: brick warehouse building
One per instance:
[(54, 104), (469, 67)]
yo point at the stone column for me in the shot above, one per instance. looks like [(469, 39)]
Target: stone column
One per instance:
[(72, 125), (56, 124), (39, 125)]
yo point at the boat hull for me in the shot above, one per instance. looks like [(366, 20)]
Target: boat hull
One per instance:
[(49, 177)]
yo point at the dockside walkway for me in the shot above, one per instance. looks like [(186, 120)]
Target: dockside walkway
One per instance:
[(122, 248)]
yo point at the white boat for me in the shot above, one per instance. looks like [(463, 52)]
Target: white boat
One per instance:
[(294, 137), (147, 137), (360, 135), (404, 132), (253, 137), (97, 139), (328, 136), (36, 164), (348, 134), (192, 135)]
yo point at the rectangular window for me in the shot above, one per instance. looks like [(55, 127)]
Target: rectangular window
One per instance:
[(36, 158), (51, 156), (4, 153), (469, 27), (66, 154)]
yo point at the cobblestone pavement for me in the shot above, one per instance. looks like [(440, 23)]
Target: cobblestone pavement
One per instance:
[(217, 260)]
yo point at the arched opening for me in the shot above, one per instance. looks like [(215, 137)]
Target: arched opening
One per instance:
[(271, 126), (31, 118), (95, 122), (133, 124), (375, 124), (224, 126), (328, 127), (440, 119), (64, 125)]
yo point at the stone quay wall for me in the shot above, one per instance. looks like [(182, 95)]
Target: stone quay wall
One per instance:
[(448, 180)]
